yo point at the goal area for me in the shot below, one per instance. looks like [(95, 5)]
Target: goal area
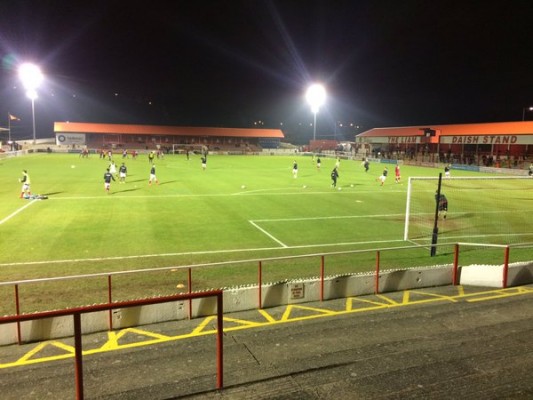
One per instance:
[(495, 210)]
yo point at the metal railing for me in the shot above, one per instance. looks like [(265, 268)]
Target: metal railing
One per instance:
[(321, 272), (76, 314)]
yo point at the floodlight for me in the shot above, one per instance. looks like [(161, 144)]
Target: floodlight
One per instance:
[(31, 77), (316, 97)]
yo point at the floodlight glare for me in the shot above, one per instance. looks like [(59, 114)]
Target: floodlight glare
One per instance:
[(31, 77), (316, 97), (31, 94)]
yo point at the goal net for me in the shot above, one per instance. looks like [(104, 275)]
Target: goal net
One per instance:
[(485, 209), (191, 148)]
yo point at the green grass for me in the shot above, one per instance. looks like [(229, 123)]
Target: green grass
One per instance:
[(197, 216), (480, 209)]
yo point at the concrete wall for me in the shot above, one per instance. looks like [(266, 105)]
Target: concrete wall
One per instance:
[(272, 295), (492, 275)]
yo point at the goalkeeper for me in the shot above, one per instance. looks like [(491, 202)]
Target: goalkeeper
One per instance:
[(442, 202)]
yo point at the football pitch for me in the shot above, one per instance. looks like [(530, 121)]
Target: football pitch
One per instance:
[(239, 208)]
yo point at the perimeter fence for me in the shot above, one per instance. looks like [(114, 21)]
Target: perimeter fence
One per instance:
[(323, 266), (76, 314)]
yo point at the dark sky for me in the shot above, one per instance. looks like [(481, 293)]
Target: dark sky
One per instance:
[(231, 62)]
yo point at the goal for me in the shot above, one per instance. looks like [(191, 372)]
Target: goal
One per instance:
[(192, 148), (487, 209)]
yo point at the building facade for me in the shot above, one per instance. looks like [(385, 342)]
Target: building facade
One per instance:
[(149, 137), (486, 144)]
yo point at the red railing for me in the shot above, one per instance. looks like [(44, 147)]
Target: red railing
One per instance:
[(261, 263), (505, 274), (76, 314)]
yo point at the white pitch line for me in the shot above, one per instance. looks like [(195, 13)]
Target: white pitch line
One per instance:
[(16, 212), (453, 239), (256, 191), (304, 246), (139, 256), (268, 234), (443, 235), (309, 191), (116, 194), (330, 217), (189, 253)]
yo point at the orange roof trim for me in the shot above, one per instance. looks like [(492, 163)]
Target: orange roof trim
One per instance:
[(123, 129)]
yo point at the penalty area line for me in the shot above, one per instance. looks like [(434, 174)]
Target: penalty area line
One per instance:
[(268, 234), (16, 212), (329, 217)]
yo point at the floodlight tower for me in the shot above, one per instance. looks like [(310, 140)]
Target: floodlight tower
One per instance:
[(31, 78), (316, 97), (524, 112)]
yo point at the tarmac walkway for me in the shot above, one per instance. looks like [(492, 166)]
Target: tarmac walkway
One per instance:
[(435, 343)]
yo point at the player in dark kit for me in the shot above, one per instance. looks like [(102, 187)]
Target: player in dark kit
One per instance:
[(383, 176), (334, 176), (447, 169), (108, 176), (442, 204), (153, 178), (122, 173)]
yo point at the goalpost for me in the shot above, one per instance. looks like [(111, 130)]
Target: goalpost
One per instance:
[(193, 148), (494, 209)]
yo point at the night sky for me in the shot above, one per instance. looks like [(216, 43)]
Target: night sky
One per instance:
[(232, 63)]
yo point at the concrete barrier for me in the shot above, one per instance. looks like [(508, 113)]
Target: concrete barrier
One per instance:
[(272, 295), (492, 275)]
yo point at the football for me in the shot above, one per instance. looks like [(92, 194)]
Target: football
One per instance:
[(243, 187)]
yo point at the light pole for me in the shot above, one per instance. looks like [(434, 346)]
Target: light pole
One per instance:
[(315, 96), (31, 77), (524, 112)]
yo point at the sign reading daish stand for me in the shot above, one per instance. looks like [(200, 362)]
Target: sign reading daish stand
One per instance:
[(488, 139)]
